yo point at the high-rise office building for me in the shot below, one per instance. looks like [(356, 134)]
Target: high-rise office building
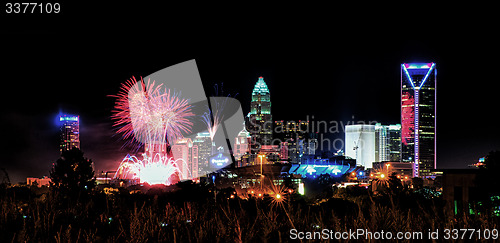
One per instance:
[(312, 145), (241, 144), (70, 132), (295, 136), (260, 119), (387, 142), (205, 150), (418, 116), (360, 144), (187, 154)]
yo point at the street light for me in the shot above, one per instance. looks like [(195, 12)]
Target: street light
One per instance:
[(260, 156), (261, 180)]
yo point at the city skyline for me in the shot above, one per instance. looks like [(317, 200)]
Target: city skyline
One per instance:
[(362, 81), (120, 122)]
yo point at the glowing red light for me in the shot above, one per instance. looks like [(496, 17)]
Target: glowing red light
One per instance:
[(408, 117)]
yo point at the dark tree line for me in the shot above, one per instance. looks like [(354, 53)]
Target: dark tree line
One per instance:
[(72, 175)]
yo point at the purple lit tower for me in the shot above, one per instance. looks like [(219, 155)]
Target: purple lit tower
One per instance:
[(418, 116), (70, 132)]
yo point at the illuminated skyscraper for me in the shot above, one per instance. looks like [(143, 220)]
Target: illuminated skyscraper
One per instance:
[(360, 144), (241, 144), (387, 143), (70, 132), (418, 116), (205, 147), (298, 140), (260, 118), (189, 153)]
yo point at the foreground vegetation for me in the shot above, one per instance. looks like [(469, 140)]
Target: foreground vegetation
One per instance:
[(74, 210), (193, 214)]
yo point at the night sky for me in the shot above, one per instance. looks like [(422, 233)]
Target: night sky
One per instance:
[(324, 65)]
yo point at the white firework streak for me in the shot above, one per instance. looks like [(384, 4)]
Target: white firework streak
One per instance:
[(157, 170)]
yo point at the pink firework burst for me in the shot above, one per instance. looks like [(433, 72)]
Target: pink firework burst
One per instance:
[(152, 170), (149, 114)]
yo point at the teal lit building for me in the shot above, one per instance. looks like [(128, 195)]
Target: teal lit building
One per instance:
[(260, 118)]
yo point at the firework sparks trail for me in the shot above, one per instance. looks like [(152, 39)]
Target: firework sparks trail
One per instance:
[(155, 117), (150, 114), (152, 170), (212, 127), (213, 117)]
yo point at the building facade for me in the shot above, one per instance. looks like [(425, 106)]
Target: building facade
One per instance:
[(360, 144), (70, 132), (401, 170), (186, 155), (39, 182), (205, 149), (297, 139), (260, 123), (241, 144), (418, 116), (387, 142)]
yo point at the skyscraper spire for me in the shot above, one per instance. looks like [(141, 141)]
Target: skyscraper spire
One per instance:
[(260, 120), (260, 87)]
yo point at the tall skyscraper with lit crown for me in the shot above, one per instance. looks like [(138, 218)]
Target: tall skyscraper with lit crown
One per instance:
[(418, 116), (260, 118), (70, 132)]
